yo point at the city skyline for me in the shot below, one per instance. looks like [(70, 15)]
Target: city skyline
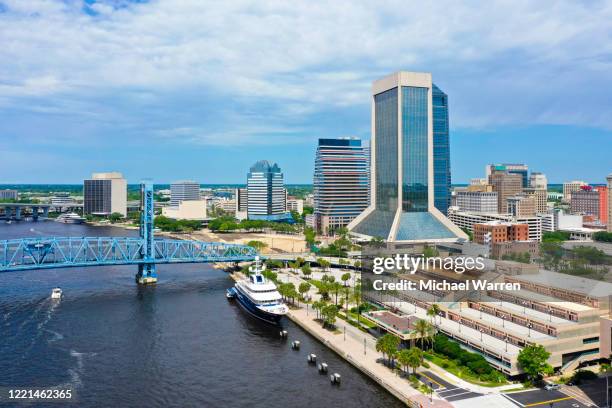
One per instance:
[(162, 88)]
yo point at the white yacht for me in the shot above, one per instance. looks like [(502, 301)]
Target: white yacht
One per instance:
[(56, 293), (70, 218), (258, 296)]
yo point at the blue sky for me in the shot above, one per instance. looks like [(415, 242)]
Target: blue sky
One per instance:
[(201, 90)]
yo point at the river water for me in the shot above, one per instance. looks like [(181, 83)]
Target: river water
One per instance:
[(177, 344)]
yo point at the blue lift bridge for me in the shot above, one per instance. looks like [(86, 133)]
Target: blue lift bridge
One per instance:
[(145, 251)]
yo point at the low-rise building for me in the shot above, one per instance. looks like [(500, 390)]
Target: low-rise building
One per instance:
[(477, 201), (295, 204), (225, 204), (9, 195), (501, 249), (187, 210), (467, 219)]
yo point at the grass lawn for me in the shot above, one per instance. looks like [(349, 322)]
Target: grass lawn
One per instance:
[(459, 371)]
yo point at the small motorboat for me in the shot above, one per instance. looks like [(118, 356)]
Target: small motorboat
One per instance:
[(230, 293), (56, 293)]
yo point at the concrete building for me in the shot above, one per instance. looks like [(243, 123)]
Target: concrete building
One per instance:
[(266, 194), (506, 185), (498, 231), (406, 162), (478, 182), (484, 188), (466, 219), (184, 191), (522, 205), (565, 221), (540, 197), (225, 204), (295, 204), (9, 195), (571, 186), (609, 180), (187, 210), (340, 184), (510, 168), (548, 221), (499, 250), (538, 181), (477, 201), (104, 194), (591, 201), (61, 201)]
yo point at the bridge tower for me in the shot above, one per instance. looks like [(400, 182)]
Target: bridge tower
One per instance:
[(146, 271)]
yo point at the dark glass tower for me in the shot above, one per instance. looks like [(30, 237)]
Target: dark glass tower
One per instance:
[(441, 150), (409, 132)]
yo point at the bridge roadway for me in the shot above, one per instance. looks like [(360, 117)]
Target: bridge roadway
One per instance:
[(62, 252), (145, 251)]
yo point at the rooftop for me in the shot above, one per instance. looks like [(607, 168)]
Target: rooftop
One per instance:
[(569, 282)]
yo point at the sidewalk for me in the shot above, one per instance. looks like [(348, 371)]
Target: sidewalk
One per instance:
[(349, 343)]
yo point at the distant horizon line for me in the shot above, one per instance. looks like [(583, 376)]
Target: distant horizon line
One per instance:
[(3, 185)]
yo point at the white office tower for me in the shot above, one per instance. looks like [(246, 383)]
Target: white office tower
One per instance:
[(104, 194)]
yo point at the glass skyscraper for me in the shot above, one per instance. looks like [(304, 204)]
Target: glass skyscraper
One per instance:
[(266, 194), (340, 183), (441, 150), (410, 169)]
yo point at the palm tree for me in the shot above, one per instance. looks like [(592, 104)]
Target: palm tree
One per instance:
[(345, 277), (423, 329), (414, 358), (403, 356), (433, 311)]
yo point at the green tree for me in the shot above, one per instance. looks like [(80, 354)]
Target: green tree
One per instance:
[(602, 236), (258, 245), (310, 235), (468, 233), (434, 311), (329, 315), (533, 360), (414, 358), (377, 242), (115, 217), (323, 264), (557, 236), (304, 288), (336, 287), (424, 330), (430, 252), (306, 270), (345, 278)]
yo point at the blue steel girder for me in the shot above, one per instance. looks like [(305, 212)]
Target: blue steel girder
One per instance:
[(62, 252)]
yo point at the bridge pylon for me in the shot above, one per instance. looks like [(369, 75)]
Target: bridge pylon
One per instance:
[(147, 272)]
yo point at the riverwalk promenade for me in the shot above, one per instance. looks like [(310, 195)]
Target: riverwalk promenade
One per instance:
[(348, 342)]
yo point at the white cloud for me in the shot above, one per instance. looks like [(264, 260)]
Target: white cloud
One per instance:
[(509, 62)]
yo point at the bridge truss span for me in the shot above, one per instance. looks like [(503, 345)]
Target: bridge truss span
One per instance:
[(62, 252)]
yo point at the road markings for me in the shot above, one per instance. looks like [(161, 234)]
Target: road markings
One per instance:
[(432, 380), (548, 402)]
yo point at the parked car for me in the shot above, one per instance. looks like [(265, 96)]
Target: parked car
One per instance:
[(552, 386)]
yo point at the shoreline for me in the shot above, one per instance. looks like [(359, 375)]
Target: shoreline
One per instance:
[(394, 385)]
